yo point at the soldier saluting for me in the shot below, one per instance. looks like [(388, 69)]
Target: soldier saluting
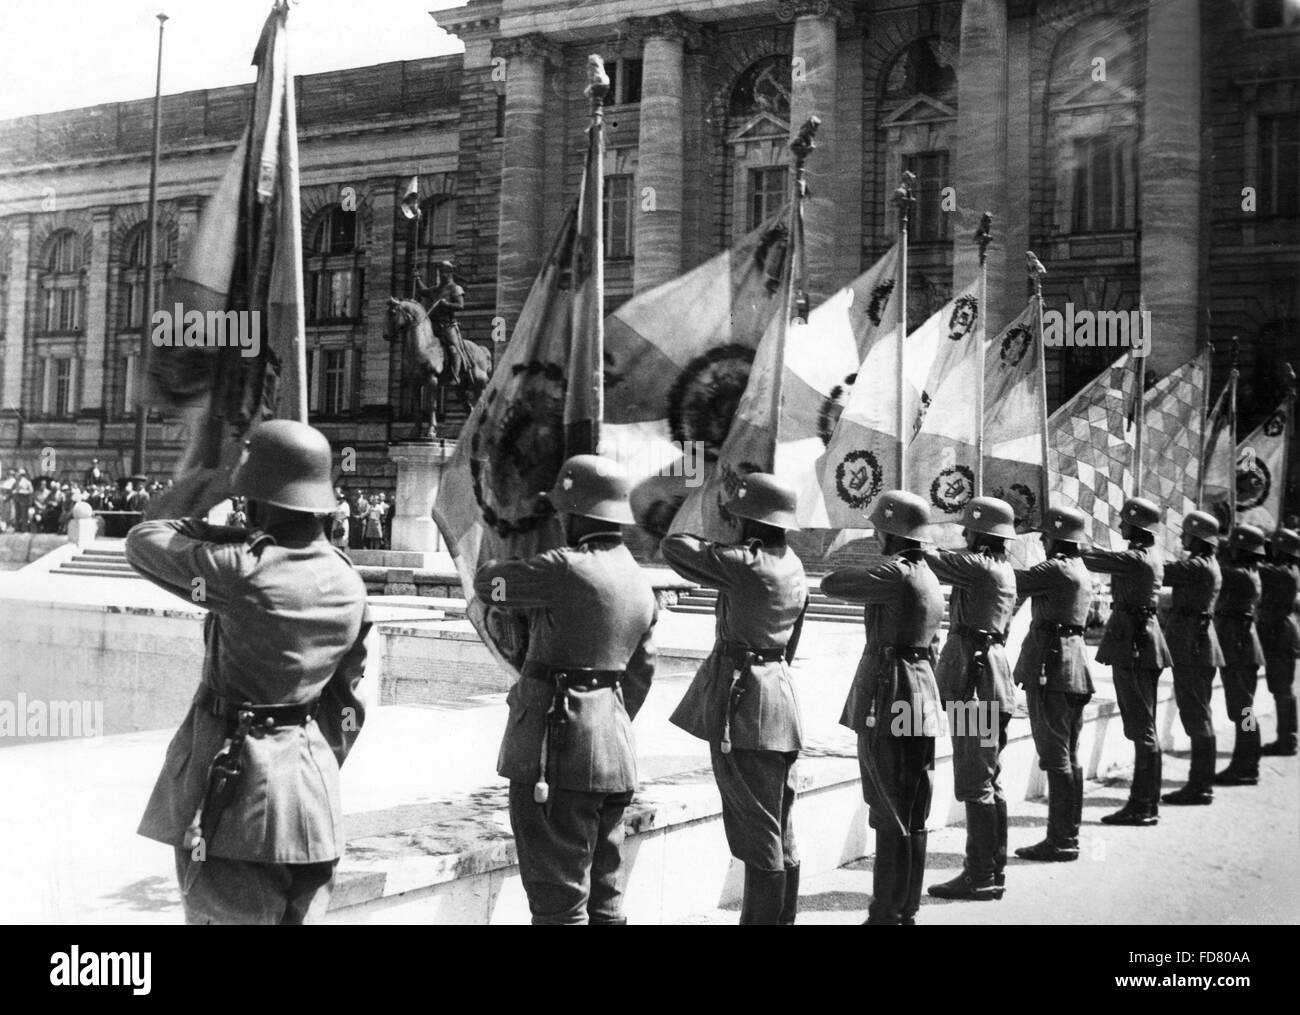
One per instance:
[(1279, 634), (1194, 645), (1234, 618), (1053, 669), (973, 670), (894, 702), (568, 749), (741, 700), (249, 792), (1134, 647)]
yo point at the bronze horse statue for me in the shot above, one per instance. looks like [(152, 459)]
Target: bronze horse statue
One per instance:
[(429, 358)]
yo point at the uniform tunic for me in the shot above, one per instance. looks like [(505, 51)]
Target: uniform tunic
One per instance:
[(589, 607), (1193, 643), (1133, 644), (1053, 665), (1242, 653), (903, 608), (983, 599), (762, 595), (1279, 624)]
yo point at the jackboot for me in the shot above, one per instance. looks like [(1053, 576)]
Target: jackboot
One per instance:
[(790, 909), (1076, 773), (1000, 847), (916, 847), (888, 879), (1062, 841), (1199, 790), (1155, 780), (1139, 809), (976, 881), (764, 897), (1285, 744), (1243, 769)]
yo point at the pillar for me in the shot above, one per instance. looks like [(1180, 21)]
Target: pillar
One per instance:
[(1169, 181), (16, 320), (95, 349)]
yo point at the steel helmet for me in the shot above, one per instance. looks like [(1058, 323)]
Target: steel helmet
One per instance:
[(1141, 514), (594, 487), (902, 514), (1202, 525), (1065, 524), (288, 464), (1248, 539), (1286, 543), (991, 516), (762, 497)]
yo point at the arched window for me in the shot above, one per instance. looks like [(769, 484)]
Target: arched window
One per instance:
[(758, 136), (334, 275), (133, 271), (437, 235), (62, 282)]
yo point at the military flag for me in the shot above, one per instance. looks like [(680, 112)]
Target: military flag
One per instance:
[(1218, 462), (1015, 418), (1173, 424), (245, 257), (1261, 470)]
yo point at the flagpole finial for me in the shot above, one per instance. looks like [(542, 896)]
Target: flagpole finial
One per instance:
[(802, 145), (903, 199), (597, 79), (1034, 268), (984, 234), (1236, 349)]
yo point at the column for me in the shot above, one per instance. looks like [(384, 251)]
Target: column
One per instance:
[(16, 320), (657, 240), (1169, 181), (96, 342), (982, 156), (813, 93), (380, 278), (522, 243)]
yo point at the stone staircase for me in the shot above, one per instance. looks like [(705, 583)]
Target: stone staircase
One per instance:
[(99, 560)]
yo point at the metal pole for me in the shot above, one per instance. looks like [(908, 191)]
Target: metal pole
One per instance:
[(1205, 424), (904, 200), (1289, 375), (983, 237), (1036, 273), (293, 197), (150, 243)]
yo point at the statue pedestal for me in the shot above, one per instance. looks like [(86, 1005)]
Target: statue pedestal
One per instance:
[(419, 472)]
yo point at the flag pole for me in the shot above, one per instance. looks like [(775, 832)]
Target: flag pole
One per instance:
[(904, 200), (1232, 443), (802, 145), (1139, 411), (150, 246), (1036, 273), (983, 236), (597, 88), (294, 199), (1205, 424), (1289, 432)]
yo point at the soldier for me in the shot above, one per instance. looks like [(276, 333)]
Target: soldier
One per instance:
[(741, 700), (1134, 647), (568, 749), (893, 704), (1053, 670), (249, 792), (1234, 618), (1194, 647), (1279, 633), (443, 301), (975, 676)]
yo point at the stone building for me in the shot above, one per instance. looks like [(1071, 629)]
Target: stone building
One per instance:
[(1145, 150)]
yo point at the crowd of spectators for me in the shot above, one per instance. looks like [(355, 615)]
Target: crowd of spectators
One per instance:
[(44, 503)]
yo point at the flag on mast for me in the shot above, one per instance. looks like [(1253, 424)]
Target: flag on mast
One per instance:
[(411, 198), (243, 263), (1014, 469), (1218, 468), (1260, 473)]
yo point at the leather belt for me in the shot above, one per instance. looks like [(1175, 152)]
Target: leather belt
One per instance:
[(981, 635), (1063, 630), (554, 733), (1138, 611), (577, 678), (908, 653), (266, 716), (735, 650)]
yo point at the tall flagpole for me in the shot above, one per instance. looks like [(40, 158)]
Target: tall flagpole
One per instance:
[(294, 199), (904, 201), (1205, 424), (1232, 443), (1139, 411), (983, 236), (1286, 443), (150, 245), (802, 145), (1036, 273), (597, 88)]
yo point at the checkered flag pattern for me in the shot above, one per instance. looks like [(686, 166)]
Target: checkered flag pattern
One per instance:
[(1173, 420)]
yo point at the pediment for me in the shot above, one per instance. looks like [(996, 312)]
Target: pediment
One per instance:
[(1096, 93), (920, 109), (761, 127)]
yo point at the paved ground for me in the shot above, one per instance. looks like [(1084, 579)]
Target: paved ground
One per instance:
[(1235, 862)]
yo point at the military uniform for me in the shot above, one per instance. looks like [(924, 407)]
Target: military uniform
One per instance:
[(568, 749), (742, 701), (1134, 646), (974, 674), (1194, 646), (1279, 634), (1234, 620), (1053, 670), (894, 704), (284, 650)]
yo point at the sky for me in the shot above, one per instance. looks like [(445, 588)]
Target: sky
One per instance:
[(61, 54)]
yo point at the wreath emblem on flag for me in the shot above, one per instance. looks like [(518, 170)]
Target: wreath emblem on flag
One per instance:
[(1014, 346), (829, 413), (1254, 481), (1023, 501), (952, 488), (704, 398), (521, 449), (858, 479), (964, 313), (879, 300), (1276, 424)]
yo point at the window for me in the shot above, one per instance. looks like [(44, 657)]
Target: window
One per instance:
[(501, 117), (132, 290), (60, 386), (928, 222), (332, 296), (128, 385), (439, 222), (61, 284), (624, 81), (1101, 169), (1279, 165), (767, 191), (336, 232), (334, 278), (62, 308), (619, 215), (334, 381)]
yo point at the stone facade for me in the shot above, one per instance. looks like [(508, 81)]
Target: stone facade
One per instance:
[(1116, 138)]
